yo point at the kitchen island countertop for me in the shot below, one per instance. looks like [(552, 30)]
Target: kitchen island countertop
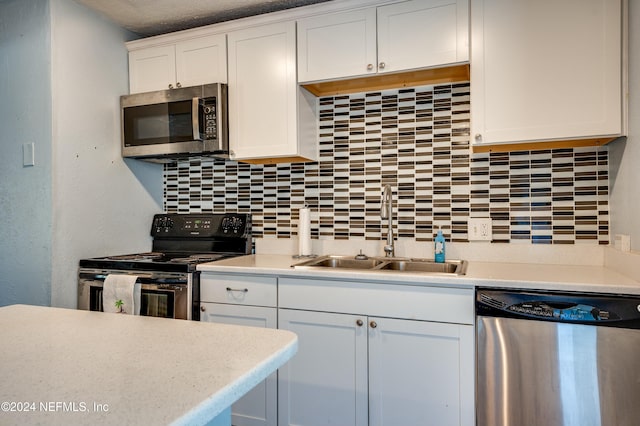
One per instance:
[(580, 278), (63, 366)]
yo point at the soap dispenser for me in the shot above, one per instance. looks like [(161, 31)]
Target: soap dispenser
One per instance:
[(439, 247)]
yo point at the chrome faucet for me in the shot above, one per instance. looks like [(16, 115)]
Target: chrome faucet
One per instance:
[(386, 212)]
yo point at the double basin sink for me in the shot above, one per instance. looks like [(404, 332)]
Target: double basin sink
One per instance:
[(423, 266)]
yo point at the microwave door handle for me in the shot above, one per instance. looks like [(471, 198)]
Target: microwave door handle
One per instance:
[(195, 118)]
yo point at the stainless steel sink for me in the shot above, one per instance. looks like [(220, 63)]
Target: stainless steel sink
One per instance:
[(344, 262), (421, 266), (457, 267)]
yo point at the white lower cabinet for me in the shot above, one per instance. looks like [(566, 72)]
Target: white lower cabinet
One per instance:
[(325, 383), (370, 369), (238, 293), (369, 354), (418, 372)]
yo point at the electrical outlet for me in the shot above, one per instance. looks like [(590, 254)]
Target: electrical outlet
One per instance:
[(479, 229), (622, 242)]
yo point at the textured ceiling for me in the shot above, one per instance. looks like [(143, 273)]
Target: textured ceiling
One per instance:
[(152, 17)]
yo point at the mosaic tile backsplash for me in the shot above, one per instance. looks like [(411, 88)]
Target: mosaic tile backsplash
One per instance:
[(417, 141)]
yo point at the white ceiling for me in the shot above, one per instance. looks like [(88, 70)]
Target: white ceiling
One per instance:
[(152, 17)]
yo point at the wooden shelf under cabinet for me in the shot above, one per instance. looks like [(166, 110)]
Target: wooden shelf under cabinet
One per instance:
[(541, 145), (452, 74)]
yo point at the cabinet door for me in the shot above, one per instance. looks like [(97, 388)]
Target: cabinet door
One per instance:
[(152, 69), (545, 70), (326, 381), (259, 406), (201, 60), (420, 370), (262, 91), (337, 45), (422, 33)]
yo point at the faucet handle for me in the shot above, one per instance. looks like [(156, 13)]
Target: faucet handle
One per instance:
[(385, 202)]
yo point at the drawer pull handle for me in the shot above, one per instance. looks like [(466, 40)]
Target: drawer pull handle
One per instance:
[(373, 324), (243, 290), (359, 323)]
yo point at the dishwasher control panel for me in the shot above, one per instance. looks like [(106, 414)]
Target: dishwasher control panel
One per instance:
[(577, 312), (587, 308)]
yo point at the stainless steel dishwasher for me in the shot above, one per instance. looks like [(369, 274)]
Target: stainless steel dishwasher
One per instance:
[(557, 359)]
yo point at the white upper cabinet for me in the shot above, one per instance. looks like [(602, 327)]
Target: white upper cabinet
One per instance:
[(202, 60), (337, 45), (422, 33), (396, 37), (152, 68), (270, 117), (190, 62), (544, 70)]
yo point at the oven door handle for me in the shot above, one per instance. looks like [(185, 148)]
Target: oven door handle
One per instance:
[(101, 275), (163, 287)]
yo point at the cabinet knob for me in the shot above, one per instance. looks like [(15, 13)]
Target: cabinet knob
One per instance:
[(373, 324), (178, 85), (170, 86), (381, 65), (369, 67), (360, 323), (478, 137), (202, 308)]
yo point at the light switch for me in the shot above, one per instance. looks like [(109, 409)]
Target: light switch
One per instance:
[(28, 155)]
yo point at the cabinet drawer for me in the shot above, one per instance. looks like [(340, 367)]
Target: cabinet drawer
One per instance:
[(442, 304), (239, 289)]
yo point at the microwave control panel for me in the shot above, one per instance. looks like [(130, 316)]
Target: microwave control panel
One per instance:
[(208, 118)]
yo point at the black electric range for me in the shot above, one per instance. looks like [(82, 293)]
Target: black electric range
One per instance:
[(180, 243)]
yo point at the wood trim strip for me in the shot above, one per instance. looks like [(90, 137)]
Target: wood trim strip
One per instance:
[(377, 82), (276, 160), (533, 146)]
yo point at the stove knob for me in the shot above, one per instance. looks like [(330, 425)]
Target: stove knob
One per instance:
[(226, 223), (237, 225)]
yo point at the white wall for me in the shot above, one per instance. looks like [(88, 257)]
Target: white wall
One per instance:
[(62, 70), (101, 205), (624, 154), (25, 116)]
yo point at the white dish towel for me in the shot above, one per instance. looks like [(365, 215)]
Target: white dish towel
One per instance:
[(124, 288)]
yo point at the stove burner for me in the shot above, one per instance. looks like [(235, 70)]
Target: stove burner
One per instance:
[(138, 256)]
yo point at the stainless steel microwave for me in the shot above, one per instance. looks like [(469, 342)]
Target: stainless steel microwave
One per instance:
[(167, 125)]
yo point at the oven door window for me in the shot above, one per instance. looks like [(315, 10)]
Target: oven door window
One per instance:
[(153, 303), (157, 303), (158, 123)]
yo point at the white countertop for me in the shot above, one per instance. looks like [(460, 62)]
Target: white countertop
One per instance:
[(96, 368), (596, 279)]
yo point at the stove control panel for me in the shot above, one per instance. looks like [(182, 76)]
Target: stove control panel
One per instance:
[(233, 225), (194, 225)]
